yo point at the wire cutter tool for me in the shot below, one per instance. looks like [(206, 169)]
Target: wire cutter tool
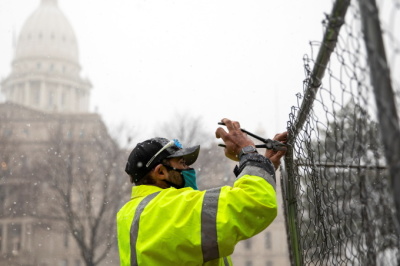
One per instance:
[(268, 143)]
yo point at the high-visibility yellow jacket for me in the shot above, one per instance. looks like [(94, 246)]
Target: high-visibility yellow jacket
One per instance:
[(190, 227)]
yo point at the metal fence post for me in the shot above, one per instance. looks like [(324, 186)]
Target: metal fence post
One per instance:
[(384, 96)]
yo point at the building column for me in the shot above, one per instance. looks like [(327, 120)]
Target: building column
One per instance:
[(43, 94), (27, 93), (27, 236), (3, 240)]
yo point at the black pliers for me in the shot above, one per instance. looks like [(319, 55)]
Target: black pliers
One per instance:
[(268, 143)]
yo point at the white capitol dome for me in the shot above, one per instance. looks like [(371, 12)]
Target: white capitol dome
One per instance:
[(46, 71), (47, 33)]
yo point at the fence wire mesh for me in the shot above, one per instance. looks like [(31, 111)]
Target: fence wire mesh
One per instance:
[(338, 188)]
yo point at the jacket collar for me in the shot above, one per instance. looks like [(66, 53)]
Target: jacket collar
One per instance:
[(143, 190)]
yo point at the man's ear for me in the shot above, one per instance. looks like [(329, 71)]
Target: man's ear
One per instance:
[(160, 172)]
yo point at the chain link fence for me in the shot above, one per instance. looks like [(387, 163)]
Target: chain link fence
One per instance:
[(341, 181)]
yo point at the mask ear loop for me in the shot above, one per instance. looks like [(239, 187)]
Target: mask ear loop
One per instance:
[(176, 169), (180, 172)]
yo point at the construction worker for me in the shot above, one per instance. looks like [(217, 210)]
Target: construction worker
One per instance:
[(169, 222)]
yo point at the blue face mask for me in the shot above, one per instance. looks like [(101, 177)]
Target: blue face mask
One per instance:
[(189, 175)]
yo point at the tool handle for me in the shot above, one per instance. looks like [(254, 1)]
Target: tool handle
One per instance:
[(250, 134), (269, 143), (257, 146)]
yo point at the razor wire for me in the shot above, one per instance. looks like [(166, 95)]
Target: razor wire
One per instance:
[(338, 189)]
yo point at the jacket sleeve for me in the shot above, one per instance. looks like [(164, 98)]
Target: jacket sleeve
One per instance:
[(248, 207)]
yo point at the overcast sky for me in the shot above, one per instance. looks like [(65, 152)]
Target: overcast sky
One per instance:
[(150, 59)]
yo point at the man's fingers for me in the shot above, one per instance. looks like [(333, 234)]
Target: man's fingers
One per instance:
[(271, 154), (236, 125), (278, 155), (228, 123), (281, 136), (231, 125), (220, 133)]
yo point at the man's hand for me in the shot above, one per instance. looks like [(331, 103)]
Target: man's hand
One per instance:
[(275, 156), (234, 139)]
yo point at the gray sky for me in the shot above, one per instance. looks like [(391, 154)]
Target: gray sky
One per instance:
[(151, 59)]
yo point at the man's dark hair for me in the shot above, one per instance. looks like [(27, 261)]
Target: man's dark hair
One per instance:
[(146, 180)]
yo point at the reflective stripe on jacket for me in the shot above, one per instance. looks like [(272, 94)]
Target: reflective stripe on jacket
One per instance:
[(190, 227)]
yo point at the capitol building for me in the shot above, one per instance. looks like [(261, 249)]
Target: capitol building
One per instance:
[(57, 163)]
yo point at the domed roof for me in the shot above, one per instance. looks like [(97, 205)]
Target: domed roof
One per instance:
[(47, 34)]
